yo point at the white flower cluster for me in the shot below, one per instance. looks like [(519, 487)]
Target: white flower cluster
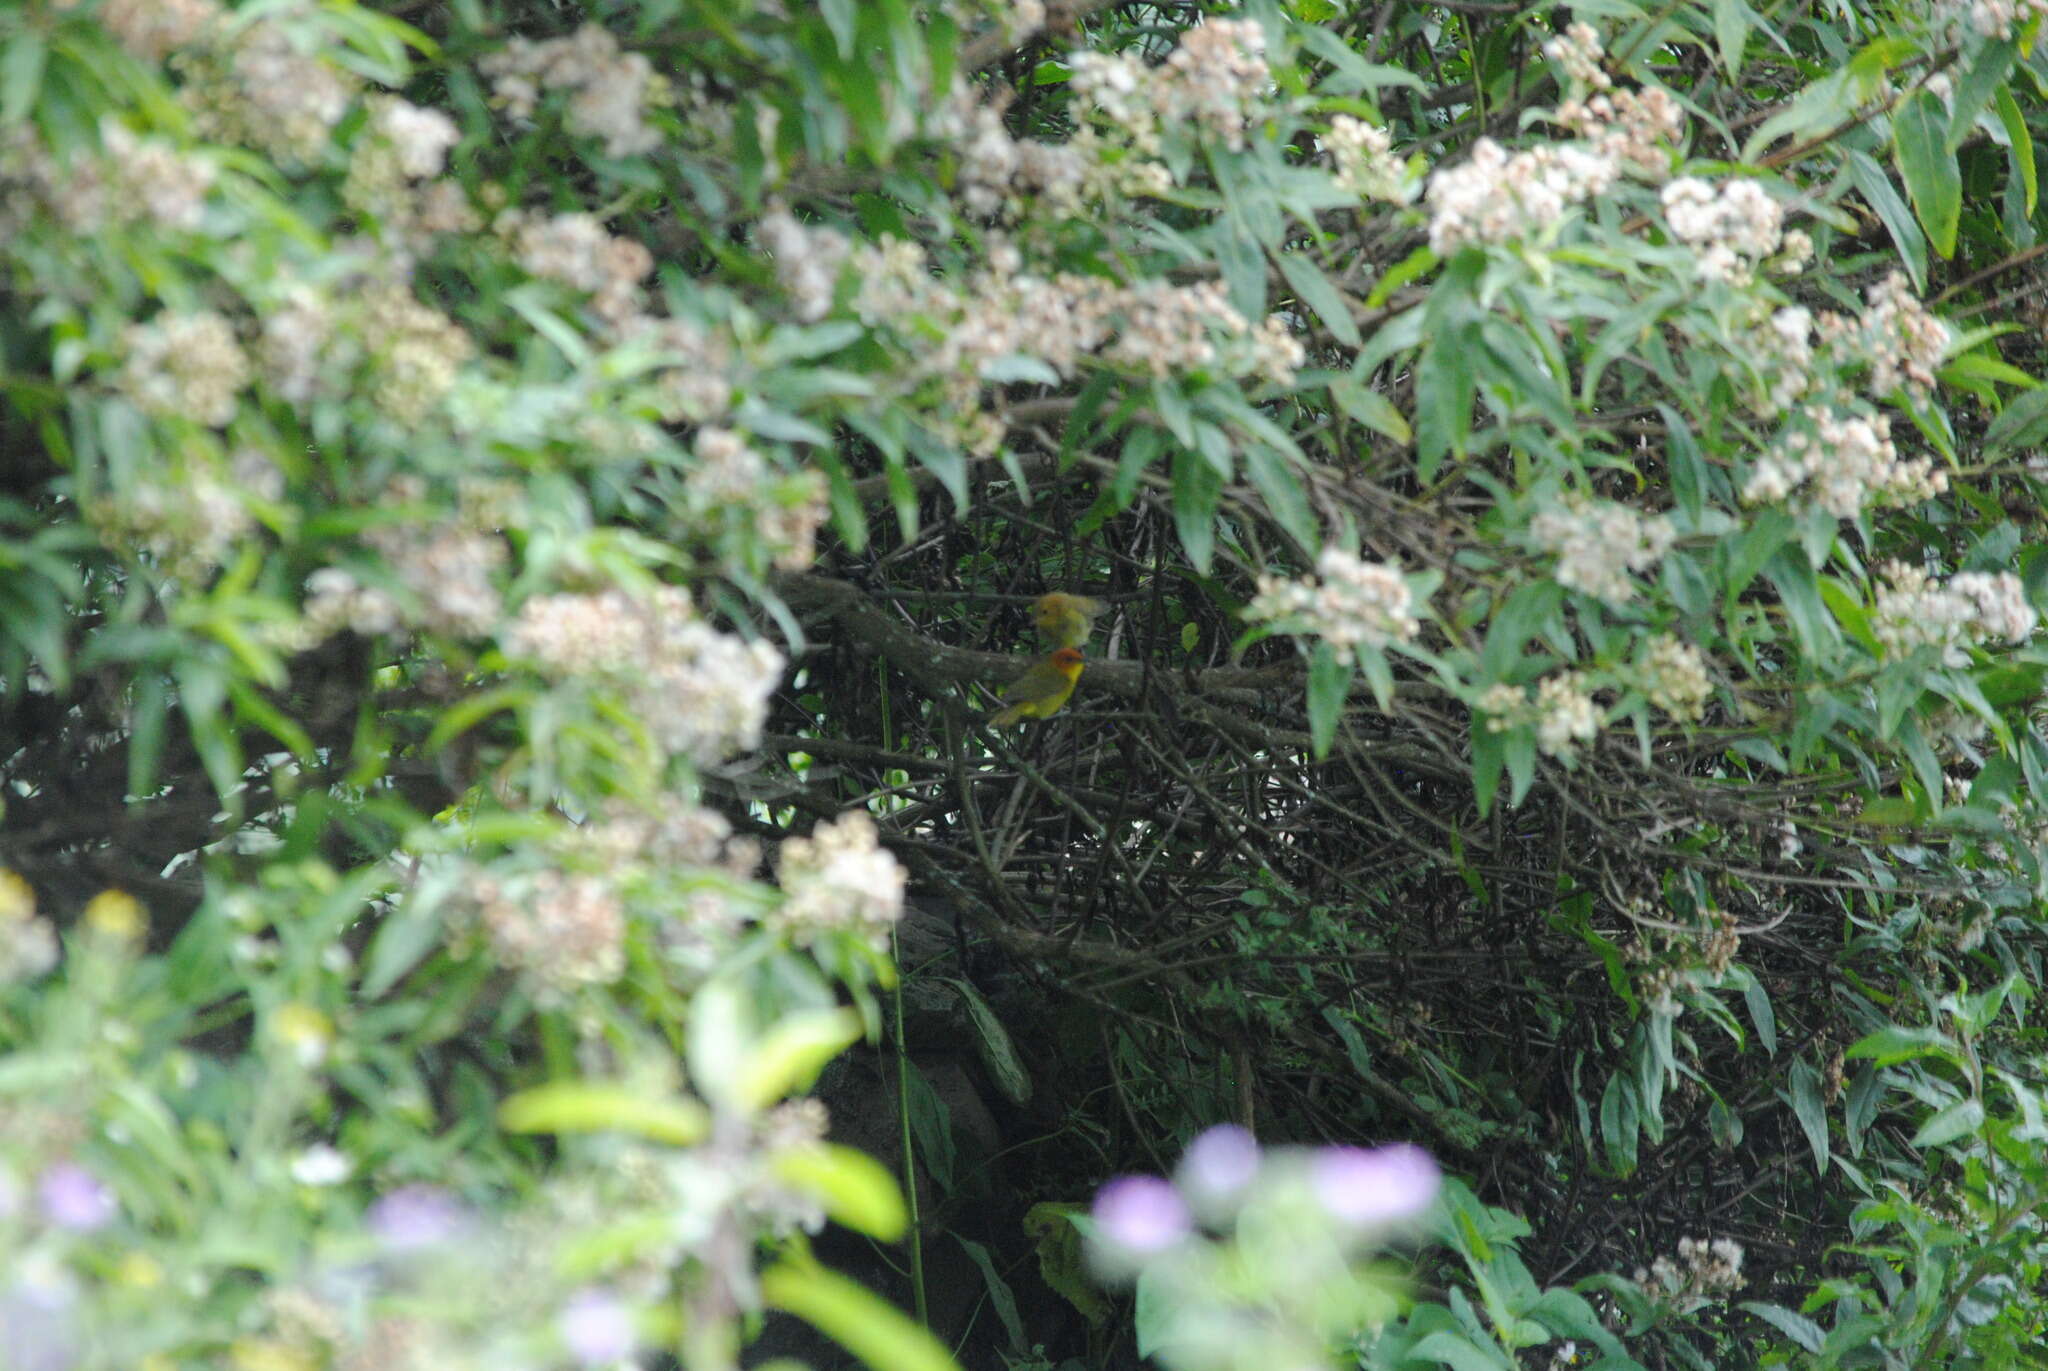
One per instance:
[(696, 384), (961, 337), (1564, 713), (420, 137), (576, 250), (153, 29), (1355, 604), (1841, 461), (1363, 155), (1636, 129), (1779, 353), (1998, 19), (807, 261), (1578, 50), (184, 366), (1673, 677), (393, 172), (610, 89), (1914, 611), (1598, 543), (685, 835), (1704, 1271), (999, 176), (449, 571), (316, 337), (783, 512), (132, 180), (445, 573), (1215, 80), (1495, 196), (1904, 342), (416, 351), (839, 878), (1733, 228), (190, 522), (560, 932), (262, 92), (703, 694)]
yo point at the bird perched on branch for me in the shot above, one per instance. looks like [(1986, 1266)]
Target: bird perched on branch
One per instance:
[(1066, 620), (1042, 689)]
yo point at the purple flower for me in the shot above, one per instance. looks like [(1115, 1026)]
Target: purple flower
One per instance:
[(1218, 1166), (1376, 1186), (1140, 1215), (413, 1217), (74, 1198), (597, 1328)]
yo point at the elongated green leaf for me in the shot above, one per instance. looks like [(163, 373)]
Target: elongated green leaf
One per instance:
[(1315, 290), (1946, 1125), (1890, 1046), (2019, 143), (1804, 1082), (1797, 1327), (1876, 188), (855, 1189), (603, 1107), (1197, 486), (1329, 682), (862, 1322), (1920, 146)]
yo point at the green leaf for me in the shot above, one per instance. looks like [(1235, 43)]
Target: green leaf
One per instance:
[(1459, 1353), (1877, 189), (1962, 1117), (1732, 21), (1985, 78), (1315, 290), (2019, 143), (1416, 264), (1197, 487), (1920, 147), (1372, 409), (999, 1293), (2022, 423), (993, 1044), (1802, 1330), (1445, 381), (1619, 1121), (21, 75), (1804, 1083), (855, 1189), (854, 1317), (1329, 683), (792, 1053), (1762, 1015), (604, 1107), (1890, 1046)]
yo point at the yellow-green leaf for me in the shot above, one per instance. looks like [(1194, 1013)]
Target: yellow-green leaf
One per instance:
[(855, 1189), (600, 1107), (792, 1054), (854, 1317)]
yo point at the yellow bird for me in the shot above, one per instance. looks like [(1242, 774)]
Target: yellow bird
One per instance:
[(1042, 689), (1066, 620)]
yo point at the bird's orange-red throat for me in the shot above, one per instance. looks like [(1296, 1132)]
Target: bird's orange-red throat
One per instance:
[(1042, 689)]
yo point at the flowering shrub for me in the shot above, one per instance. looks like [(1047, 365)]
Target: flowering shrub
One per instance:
[(509, 507)]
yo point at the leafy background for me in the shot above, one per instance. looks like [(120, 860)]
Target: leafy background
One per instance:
[(508, 510)]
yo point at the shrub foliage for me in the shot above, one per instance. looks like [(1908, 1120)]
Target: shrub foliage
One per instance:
[(513, 515)]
